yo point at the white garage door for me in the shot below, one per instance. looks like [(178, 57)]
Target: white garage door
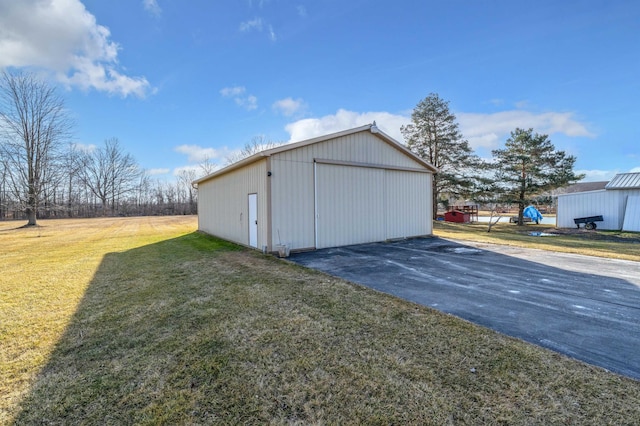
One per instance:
[(407, 204), (349, 205), (356, 205)]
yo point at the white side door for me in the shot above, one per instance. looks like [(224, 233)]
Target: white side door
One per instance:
[(253, 220)]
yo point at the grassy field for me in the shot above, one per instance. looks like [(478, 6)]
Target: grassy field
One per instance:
[(144, 321)]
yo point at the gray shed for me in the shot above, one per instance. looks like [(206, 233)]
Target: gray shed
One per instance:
[(618, 203), (350, 187)]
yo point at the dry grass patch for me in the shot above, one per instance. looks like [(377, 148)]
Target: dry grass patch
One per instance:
[(609, 244), (187, 329)]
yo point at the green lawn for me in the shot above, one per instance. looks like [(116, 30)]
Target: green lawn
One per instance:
[(145, 321)]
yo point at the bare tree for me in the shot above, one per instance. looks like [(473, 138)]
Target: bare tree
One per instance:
[(110, 174), (207, 167), (185, 177), (257, 144), (33, 125)]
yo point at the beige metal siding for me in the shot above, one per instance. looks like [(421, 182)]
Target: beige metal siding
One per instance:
[(350, 205), (363, 147), (293, 190), (407, 199), (223, 206), (292, 203)]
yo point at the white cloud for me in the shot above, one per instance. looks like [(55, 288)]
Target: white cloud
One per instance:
[(237, 93), (342, 120), (597, 175), (489, 130), (250, 103), (152, 7), (198, 154), (302, 11), (232, 91), (259, 25), (481, 130), (289, 106), (63, 37), (254, 24), (635, 170), (86, 148), (156, 172)]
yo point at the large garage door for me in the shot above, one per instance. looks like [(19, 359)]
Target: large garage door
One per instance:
[(357, 205), (407, 203), (349, 205)]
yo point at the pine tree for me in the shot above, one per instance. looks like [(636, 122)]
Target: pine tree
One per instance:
[(435, 137), (528, 166)]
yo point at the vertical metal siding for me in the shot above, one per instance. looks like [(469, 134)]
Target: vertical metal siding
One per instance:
[(292, 183), (363, 147), (632, 214), (407, 204), (609, 204), (351, 205), (223, 208), (292, 202)]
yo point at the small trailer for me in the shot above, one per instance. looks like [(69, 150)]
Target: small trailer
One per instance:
[(589, 221)]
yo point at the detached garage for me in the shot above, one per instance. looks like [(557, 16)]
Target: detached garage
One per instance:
[(351, 187), (618, 204)]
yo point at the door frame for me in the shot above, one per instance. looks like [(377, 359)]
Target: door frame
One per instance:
[(252, 200)]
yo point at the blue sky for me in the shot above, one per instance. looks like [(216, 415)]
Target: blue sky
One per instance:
[(178, 81)]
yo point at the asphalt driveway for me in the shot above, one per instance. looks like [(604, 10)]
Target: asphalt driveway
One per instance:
[(582, 306)]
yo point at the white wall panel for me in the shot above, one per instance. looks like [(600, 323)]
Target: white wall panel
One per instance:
[(407, 200), (609, 204), (632, 214)]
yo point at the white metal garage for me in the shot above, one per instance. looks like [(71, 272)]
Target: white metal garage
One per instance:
[(350, 187)]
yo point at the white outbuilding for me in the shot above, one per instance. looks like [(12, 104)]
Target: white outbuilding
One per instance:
[(618, 204), (351, 187)]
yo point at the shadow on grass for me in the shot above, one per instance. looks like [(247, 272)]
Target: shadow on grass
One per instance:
[(587, 316), (185, 332), (137, 327)]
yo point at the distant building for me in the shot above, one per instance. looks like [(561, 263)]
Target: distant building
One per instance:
[(618, 203)]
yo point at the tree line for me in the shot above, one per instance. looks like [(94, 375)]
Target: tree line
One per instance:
[(42, 175)]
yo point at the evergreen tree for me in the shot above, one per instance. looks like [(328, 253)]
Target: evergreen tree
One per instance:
[(435, 137), (528, 166)]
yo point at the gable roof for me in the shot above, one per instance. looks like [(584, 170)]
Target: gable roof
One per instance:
[(291, 146), (624, 181)]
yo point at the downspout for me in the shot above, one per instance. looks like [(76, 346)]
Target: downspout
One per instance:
[(269, 207)]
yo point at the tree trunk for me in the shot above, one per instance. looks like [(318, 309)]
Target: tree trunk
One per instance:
[(520, 213), (31, 217)]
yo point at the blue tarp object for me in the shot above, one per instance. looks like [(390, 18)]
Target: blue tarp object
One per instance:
[(533, 213)]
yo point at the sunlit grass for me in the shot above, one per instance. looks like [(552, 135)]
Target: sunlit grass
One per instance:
[(143, 321), (609, 244)]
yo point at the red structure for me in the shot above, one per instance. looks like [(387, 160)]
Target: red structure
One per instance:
[(457, 216)]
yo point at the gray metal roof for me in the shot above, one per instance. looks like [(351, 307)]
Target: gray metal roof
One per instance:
[(624, 181)]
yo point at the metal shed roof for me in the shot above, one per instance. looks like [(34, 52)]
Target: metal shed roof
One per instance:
[(624, 181)]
